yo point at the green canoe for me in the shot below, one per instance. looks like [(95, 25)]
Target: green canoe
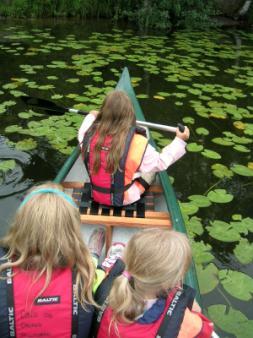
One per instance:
[(161, 206)]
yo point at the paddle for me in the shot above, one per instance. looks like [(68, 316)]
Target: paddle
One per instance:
[(59, 110)]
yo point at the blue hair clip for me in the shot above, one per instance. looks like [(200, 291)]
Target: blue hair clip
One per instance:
[(45, 191)]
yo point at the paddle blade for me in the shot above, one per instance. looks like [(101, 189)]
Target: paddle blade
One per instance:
[(50, 107)]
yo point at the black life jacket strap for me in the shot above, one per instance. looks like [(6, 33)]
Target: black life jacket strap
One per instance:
[(114, 189), (7, 283), (101, 296), (174, 316)]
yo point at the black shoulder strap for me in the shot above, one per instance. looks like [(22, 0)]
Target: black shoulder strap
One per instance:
[(140, 130), (105, 287), (103, 292), (7, 314), (174, 316), (119, 175)]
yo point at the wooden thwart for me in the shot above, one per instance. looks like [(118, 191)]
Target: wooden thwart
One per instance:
[(152, 219)]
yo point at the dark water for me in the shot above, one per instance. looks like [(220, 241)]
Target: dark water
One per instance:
[(209, 59)]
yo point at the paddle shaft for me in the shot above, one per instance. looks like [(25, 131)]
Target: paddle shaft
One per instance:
[(142, 123), (59, 110)]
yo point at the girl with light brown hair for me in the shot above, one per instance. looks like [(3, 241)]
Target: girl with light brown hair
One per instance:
[(120, 161), (148, 296), (48, 267)]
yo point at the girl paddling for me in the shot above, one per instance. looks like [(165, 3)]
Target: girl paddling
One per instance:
[(120, 161)]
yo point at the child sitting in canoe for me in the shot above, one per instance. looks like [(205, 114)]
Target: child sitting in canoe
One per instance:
[(148, 299), (46, 270), (120, 161)]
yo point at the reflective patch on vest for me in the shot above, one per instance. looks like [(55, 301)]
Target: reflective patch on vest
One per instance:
[(48, 300), (11, 321), (174, 302), (9, 276)]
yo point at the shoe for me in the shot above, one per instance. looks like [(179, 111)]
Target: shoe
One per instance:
[(96, 242), (115, 252)]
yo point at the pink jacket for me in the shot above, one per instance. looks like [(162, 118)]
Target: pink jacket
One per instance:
[(153, 161)]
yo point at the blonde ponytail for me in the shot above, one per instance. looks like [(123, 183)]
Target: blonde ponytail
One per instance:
[(125, 299), (157, 260)]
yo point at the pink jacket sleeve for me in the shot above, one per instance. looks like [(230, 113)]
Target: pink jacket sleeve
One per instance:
[(87, 122), (153, 161)]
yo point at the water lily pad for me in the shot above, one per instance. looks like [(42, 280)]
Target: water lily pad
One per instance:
[(239, 125), (27, 144), (194, 147), (188, 208), (220, 196), (202, 131), (223, 231), (222, 141), (7, 165), (200, 201), (72, 80), (188, 120), (194, 226), (237, 284), (201, 252), (231, 320), (207, 277), (158, 97), (221, 171), (211, 154), (242, 170), (244, 251), (241, 148)]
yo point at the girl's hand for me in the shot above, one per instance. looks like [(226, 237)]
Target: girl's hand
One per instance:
[(185, 135), (94, 112)]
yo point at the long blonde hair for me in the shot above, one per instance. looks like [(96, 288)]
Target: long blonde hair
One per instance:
[(44, 236), (116, 116), (157, 260)]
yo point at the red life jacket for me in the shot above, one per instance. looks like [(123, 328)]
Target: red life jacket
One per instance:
[(175, 320), (192, 325), (109, 189), (56, 313)]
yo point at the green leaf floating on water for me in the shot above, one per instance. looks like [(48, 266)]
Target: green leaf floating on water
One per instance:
[(202, 131), (188, 208), (194, 147), (211, 154), (242, 170), (188, 120), (223, 231), (7, 165), (200, 201), (231, 320), (207, 277), (221, 171), (244, 251), (201, 252), (237, 284), (194, 226), (27, 144), (241, 148), (222, 141), (220, 196)]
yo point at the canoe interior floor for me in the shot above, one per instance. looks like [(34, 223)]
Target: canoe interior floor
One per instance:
[(137, 215)]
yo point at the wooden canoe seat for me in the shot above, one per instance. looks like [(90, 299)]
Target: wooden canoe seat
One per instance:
[(140, 214)]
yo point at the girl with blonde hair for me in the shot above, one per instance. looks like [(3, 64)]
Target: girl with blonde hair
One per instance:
[(46, 270), (147, 299), (120, 161)]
